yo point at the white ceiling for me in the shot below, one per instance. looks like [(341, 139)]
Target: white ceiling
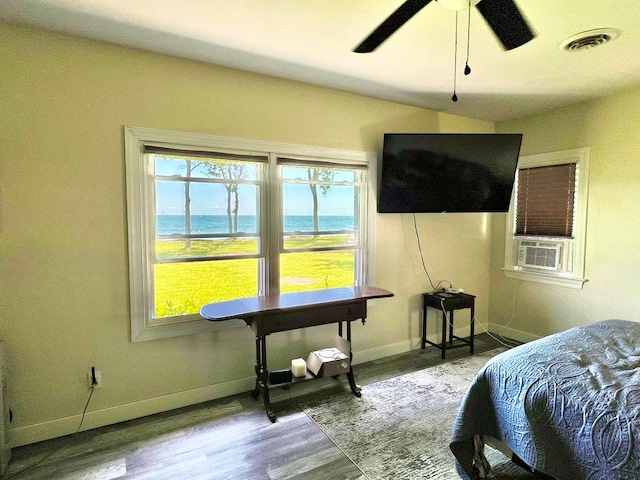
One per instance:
[(312, 41)]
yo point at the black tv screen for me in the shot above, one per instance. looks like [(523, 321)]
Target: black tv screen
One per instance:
[(447, 172)]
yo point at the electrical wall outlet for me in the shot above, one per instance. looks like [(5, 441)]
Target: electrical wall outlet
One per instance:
[(94, 378)]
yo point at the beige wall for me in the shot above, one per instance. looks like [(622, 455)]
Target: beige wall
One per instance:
[(63, 238), (610, 128)]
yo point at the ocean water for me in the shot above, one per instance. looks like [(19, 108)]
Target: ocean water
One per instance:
[(172, 224)]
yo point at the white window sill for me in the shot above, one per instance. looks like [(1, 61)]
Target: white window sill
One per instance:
[(548, 278), (196, 325)]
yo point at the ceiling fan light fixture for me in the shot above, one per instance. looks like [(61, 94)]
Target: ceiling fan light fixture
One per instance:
[(457, 4), (503, 16), (589, 39)]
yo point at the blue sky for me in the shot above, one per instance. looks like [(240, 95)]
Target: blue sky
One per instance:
[(211, 199)]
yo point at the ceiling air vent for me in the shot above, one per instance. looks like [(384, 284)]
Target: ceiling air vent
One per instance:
[(589, 39)]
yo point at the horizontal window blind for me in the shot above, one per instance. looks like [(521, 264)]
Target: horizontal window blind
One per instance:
[(181, 152), (545, 200), (338, 164)]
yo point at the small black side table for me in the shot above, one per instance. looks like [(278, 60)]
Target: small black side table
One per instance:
[(448, 302)]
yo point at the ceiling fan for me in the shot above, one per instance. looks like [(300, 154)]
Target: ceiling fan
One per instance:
[(503, 16)]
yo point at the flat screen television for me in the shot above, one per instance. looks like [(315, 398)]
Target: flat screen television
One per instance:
[(447, 172)]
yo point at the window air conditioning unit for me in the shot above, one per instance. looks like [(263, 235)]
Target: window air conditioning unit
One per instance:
[(541, 254)]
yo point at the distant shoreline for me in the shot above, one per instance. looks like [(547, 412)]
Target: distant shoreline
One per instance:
[(202, 224)]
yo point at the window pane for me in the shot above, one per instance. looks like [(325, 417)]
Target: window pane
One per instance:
[(321, 190), (207, 207), (318, 211), (182, 288), (303, 271)]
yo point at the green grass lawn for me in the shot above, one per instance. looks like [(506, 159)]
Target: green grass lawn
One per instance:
[(184, 287)]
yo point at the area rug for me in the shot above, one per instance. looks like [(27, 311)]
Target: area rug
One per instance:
[(400, 428)]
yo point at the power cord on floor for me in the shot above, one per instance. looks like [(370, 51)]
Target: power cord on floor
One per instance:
[(513, 314), (50, 454), (449, 323), (502, 342), (498, 338), (516, 292)]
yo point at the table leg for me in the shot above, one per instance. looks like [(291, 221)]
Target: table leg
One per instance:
[(262, 376), (258, 368), (472, 326), (443, 345), (424, 324), (352, 381), (451, 327)]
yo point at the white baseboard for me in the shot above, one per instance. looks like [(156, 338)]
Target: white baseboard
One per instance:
[(108, 416), (402, 347), (363, 356), (93, 419)]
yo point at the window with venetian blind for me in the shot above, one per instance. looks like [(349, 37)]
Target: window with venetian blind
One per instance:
[(545, 200), (548, 212)]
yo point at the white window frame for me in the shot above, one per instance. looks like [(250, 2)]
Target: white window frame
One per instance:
[(575, 277), (140, 214), (361, 267)]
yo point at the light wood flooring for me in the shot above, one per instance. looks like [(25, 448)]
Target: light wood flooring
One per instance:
[(228, 438)]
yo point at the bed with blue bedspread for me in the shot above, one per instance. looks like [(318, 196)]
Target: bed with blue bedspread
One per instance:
[(568, 405)]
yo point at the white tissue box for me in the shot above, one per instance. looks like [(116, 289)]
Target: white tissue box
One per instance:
[(329, 362)]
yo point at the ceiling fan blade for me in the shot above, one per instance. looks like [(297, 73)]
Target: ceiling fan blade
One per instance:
[(509, 25), (398, 18)]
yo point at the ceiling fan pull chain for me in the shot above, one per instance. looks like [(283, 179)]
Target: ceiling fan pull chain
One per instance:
[(467, 69), (454, 98)]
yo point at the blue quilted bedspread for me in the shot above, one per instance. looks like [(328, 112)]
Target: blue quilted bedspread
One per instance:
[(567, 404)]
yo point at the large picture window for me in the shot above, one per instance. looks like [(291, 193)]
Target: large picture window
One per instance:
[(216, 218)]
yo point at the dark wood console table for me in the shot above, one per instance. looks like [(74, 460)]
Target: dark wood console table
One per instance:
[(289, 311), (448, 302)]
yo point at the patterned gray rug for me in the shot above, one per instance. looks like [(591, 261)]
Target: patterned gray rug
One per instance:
[(400, 428)]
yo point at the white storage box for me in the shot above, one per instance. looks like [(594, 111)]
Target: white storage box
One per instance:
[(329, 362)]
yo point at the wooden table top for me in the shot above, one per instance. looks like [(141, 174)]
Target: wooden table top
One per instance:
[(244, 308)]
